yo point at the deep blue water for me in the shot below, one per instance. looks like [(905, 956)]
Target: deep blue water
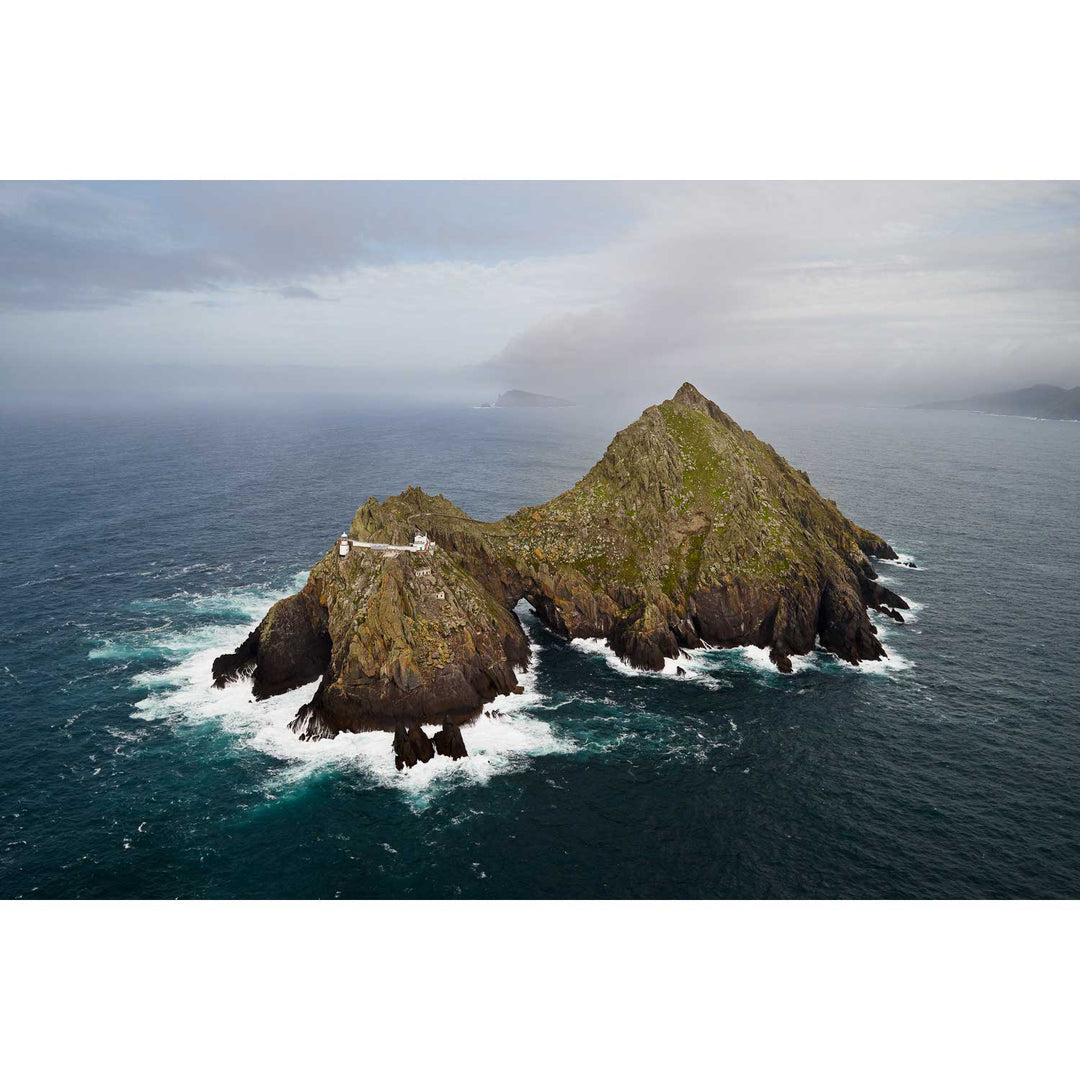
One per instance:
[(137, 545)]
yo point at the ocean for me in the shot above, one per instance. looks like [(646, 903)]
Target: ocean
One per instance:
[(140, 542)]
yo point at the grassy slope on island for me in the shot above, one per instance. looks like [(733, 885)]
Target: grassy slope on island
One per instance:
[(689, 529)]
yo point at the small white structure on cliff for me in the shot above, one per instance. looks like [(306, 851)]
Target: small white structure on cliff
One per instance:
[(420, 543)]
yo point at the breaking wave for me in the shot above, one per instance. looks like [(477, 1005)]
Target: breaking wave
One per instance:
[(905, 562), (701, 665), (693, 668), (708, 665), (176, 655), (181, 693)]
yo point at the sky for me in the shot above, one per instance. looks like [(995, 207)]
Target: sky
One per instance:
[(863, 292)]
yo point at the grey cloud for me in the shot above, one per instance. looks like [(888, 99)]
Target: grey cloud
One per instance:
[(863, 290), (298, 292), (101, 245), (873, 290)]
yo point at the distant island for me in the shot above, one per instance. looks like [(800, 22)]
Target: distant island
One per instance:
[(523, 399), (1041, 402), (688, 532)]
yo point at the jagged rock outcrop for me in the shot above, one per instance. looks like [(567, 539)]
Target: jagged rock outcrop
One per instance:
[(289, 648), (688, 531), (411, 745), (449, 741)]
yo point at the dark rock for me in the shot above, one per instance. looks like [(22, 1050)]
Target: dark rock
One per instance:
[(424, 750), (239, 664), (876, 595), (781, 660), (449, 742), (411, 746), (844, 626), (404, 752), (311, 722), (289, 648), (680, 671)]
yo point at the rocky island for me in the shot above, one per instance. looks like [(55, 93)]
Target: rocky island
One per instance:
[(688, 532), (525, 399)]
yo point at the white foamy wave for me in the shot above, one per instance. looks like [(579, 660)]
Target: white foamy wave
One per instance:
[(164, 644), (705, 664), (244, 602), (183, 694), (160, 642), (758, 657), (893, 662), (693, 670), (699, 665), (903, 561), (913, 611)]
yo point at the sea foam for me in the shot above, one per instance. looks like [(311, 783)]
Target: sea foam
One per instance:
[(905, 562), (181, 693), (693, 668), (701, 665)]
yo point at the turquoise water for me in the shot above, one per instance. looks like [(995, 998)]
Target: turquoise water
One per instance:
[(139, 545)]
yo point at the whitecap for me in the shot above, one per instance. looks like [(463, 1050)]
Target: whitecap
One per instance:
[(891, 664)]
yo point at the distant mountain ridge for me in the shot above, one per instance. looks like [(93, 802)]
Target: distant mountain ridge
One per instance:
[(519, 399), (1041, 401)]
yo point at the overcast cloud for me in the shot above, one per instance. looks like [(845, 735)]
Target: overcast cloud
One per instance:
[(878, 292)]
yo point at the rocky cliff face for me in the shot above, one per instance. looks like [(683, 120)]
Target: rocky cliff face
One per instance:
[(413, 637), (688, 531)]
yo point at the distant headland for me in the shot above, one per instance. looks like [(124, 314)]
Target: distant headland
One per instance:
[(524, 399), (1041, 402)]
